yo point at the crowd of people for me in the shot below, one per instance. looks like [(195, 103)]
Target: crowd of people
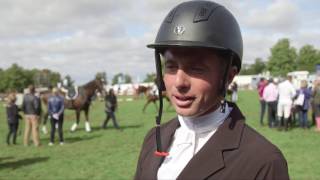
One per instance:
[(287, 106), (32, 109)]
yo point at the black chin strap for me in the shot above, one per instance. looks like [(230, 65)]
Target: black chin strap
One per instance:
[(224, 84), (161, 87)]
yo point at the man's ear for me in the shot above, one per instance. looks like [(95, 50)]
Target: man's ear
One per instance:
[(233, 71)]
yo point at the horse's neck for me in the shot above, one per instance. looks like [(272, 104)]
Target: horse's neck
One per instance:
[(90, 90)]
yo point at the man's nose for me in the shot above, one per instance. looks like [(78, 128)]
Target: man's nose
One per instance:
[(182, 82)]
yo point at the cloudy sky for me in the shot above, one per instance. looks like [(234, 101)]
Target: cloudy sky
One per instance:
[(82, 37)]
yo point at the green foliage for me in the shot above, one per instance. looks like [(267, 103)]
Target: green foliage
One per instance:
[(256, 68), (16, 78), (69, 80), (121, 78), (150, 77), (282, 59), (45, 78), (308, 58), (102, 76)]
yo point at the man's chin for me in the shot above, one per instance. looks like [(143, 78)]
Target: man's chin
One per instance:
[(186, 112)]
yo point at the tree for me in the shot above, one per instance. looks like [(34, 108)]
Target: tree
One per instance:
[(15, 78), (121, 78), (69, 79), (282, 59), (308, 58), (150, 77), (259, 66), (256, 68), (102, 76)]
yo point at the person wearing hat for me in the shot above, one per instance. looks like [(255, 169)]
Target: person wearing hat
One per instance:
[(13, 117), (56, 114), (201, 46)]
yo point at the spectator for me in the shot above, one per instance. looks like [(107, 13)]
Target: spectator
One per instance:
[(286, 94), (234, 89), (261, 85), (110, 108), (13, 118), (56, 114), (303, 114), (316, 102), (270, 95), (31, 107)]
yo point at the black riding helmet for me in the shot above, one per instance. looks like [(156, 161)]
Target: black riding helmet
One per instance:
[(197, 24)]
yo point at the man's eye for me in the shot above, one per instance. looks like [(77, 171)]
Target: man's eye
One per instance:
[(170, 66), (197, 69)]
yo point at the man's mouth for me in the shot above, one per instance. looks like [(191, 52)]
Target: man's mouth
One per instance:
[(183, 101)]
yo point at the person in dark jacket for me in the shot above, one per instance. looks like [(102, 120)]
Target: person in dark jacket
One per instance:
[(303, 113), (200, 44), (31, 107), (55, 111), (111, 105), (13, 117)]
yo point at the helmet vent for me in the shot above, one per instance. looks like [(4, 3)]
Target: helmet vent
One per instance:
[(204, 12), (170, 16)]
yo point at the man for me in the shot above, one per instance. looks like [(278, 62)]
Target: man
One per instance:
[(31, 107), (287, 92), (201, 45), (111, 105), (261, 85), (270, 95), (56, 114)]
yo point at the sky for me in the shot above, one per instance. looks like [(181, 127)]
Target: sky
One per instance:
[(83, 37)]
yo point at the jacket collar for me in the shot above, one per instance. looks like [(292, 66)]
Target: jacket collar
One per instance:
[(210, 158)]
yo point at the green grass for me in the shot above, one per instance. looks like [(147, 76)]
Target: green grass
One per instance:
[(112, 154)]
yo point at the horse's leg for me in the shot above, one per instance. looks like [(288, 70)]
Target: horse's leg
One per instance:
[(145, 106), (45, 119), (75, 125), (87, 124)]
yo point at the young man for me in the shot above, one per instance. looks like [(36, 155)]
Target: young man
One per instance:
[(111, 105), (31, 107), (56, 113), (201, 46)]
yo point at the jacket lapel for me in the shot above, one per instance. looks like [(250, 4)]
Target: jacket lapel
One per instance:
[(209, 159)]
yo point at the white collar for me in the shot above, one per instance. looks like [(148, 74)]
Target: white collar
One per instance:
[(206, 122)]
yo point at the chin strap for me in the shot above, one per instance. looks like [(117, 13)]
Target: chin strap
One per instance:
[(224, 84), (161, 87)]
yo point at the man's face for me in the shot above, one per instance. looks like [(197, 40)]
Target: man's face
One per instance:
[(192, 78)]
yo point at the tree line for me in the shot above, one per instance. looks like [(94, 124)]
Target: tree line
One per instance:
[(16, 78), (285, 58)]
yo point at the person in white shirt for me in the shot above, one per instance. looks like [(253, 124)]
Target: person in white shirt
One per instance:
[(270, 95), (200, 44), (287, 93)]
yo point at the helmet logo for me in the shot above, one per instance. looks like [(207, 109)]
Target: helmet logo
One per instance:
[(179, 30)]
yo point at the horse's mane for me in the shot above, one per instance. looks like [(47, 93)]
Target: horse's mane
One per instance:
[(89, 84)]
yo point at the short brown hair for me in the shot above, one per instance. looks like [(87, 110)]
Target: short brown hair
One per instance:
[(31, 88)]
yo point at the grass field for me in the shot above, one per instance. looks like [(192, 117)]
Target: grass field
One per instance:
[(112, 154)]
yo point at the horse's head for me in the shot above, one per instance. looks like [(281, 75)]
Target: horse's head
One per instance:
[(100, 83)]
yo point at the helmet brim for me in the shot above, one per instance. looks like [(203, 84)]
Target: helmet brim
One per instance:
[(187, 44)]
